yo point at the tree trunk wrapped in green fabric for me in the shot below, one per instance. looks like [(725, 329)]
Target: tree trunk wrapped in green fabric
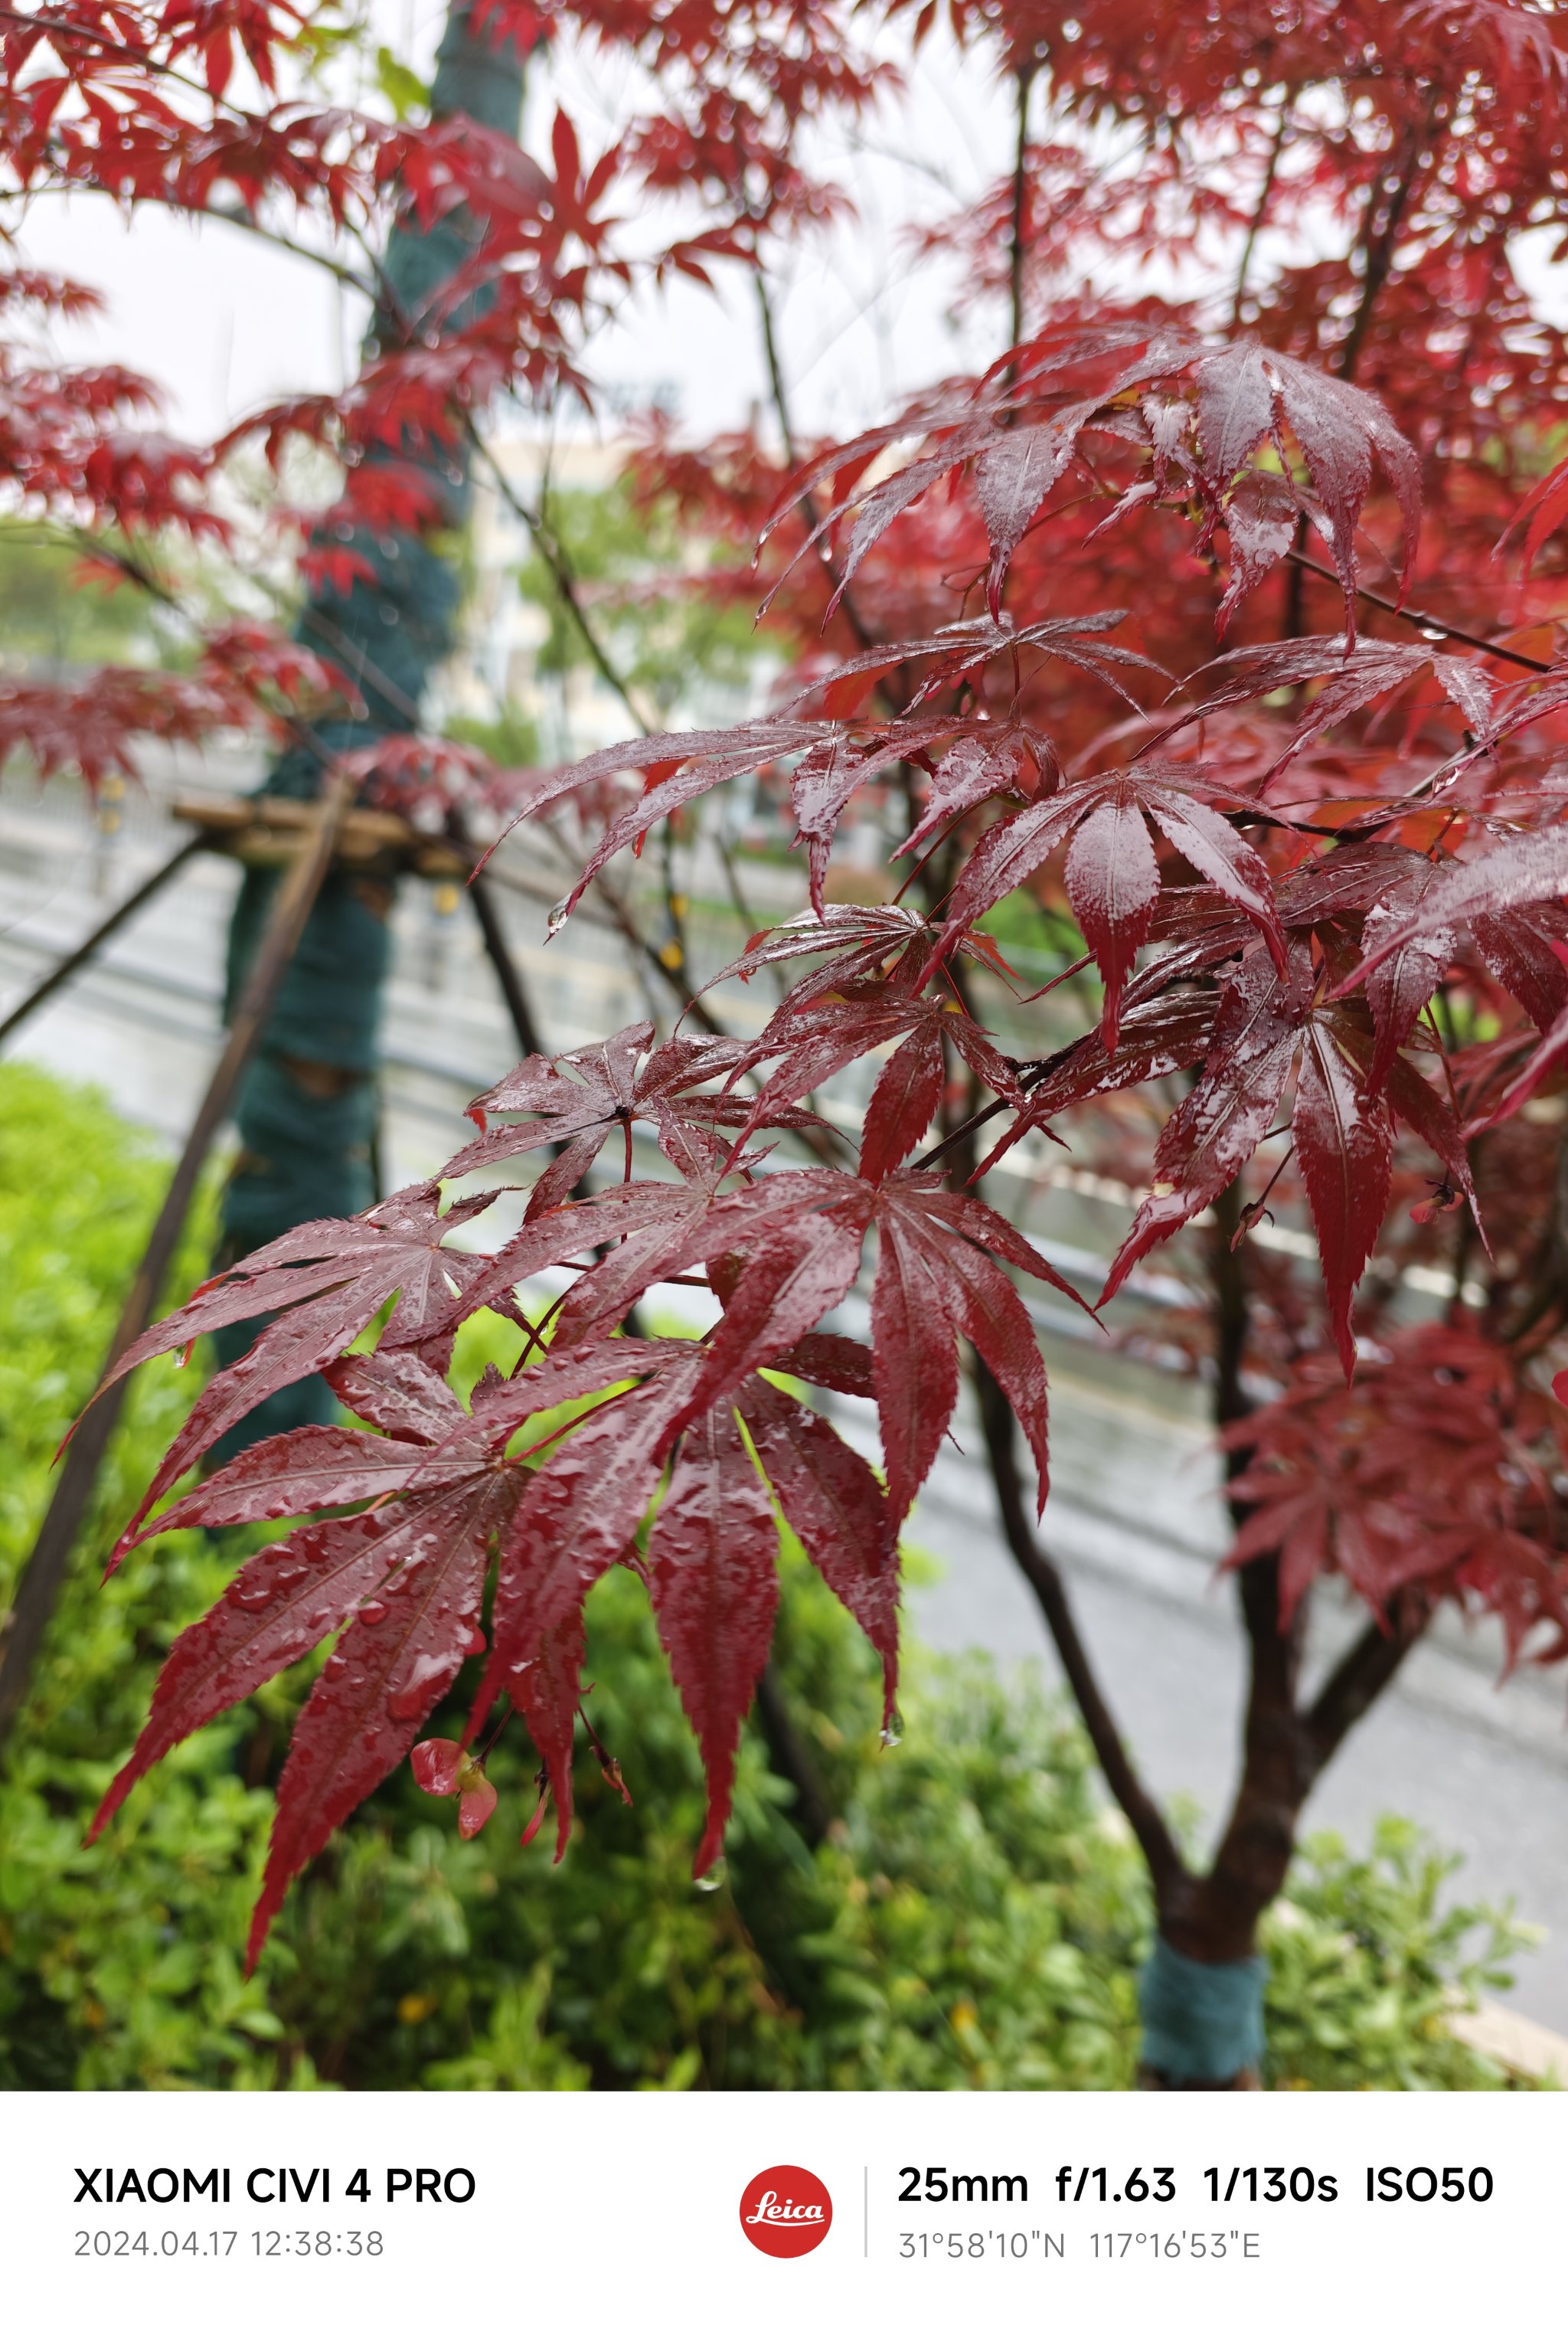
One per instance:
[(307, 1111)]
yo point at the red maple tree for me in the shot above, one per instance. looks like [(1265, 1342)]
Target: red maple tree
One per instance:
[(1218, 616)]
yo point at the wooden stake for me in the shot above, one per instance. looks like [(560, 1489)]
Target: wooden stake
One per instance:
[(21, 1631)]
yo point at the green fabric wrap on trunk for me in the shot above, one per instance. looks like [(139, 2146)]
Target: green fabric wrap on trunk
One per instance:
[(1202, 2024), (307, 1108)]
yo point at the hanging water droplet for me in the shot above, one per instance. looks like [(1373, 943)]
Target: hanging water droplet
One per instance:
[(431, 1669), (712, 1878), (556, 919), (892, 1732)]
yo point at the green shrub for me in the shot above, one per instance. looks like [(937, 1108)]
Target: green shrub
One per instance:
[(976, 1916)]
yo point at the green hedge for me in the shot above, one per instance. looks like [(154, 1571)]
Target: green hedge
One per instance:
[(976, 1917)]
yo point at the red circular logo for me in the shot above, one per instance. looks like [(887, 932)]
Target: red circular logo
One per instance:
[(785, 2211)]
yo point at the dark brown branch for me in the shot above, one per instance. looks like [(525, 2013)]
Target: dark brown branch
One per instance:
[(1160, 1851), (775, 379), (132, 904), (1031, 1073), (1228, 1277), (863, 634), (1351, 1686), (1419, 617), (508, 979), (551, 549), (1260, 211), (1018, 245), (1377, 244)]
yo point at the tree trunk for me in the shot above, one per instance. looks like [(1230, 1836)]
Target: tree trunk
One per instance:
[(307, 1112)]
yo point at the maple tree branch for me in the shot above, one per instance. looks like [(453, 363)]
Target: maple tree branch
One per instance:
[(61, 183), (673, 975), (1228, 1278), (1031, 1073), (1255, 224), (1377, 248), (1160, 1851), (1023, 82), (862, 631), (553, 552), (59, 29), (1376, 256), (566, 579), (775, 381), (508, 979), (1422, 618), (1361, 1673)]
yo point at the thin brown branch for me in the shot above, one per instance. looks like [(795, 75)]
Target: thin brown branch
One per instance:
[(777, 389), (1018, 241), (132, 904), (553, 552), (1422, 618), (1351, 1685), (779, 393), (1030, 1073), (1377, 242), (1260, 213), (1160, 1851)]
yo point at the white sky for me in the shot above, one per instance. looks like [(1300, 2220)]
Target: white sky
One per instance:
[(224, 322)]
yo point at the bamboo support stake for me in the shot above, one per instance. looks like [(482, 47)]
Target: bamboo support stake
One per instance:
[(22, 1630)]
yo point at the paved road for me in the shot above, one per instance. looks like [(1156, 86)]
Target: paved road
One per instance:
[(1134, 1516)]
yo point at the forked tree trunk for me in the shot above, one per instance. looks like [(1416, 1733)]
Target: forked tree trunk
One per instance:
[(1200, 1994)]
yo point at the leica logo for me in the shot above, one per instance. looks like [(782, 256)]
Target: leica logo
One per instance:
[(769, 2209), (786, 2211)]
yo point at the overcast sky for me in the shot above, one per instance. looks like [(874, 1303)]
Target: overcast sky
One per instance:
[(225, 322)]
